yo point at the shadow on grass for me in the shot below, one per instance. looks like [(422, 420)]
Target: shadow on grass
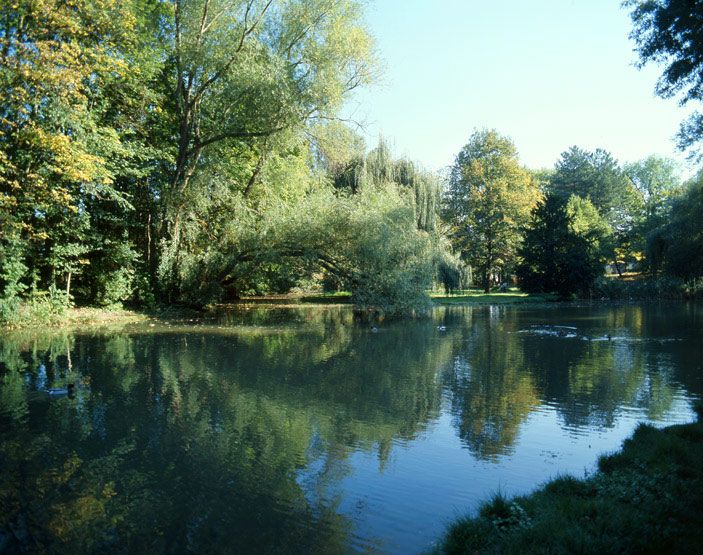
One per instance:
[(341, 297)]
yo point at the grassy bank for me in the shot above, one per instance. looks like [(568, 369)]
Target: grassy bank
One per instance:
[(75, 317), (464, 296), (647, 498), (477, 296)]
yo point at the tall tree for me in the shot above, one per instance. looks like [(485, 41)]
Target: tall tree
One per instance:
[(670, 32), (242, 70), (657, 179), (488, 199), (559, 253), (597, 176)]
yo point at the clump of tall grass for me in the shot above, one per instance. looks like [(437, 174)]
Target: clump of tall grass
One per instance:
[(42, 307)]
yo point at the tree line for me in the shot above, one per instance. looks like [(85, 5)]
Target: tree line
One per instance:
[(556, 230), (192, 151)]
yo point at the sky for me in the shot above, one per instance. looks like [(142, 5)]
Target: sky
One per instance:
[(547, 73)]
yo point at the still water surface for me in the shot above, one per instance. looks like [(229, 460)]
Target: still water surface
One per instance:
[(296, 430)]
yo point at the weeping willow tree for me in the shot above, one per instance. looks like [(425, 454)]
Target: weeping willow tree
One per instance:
[(368, 242), (298, 227), (379, 168), (423, 190)]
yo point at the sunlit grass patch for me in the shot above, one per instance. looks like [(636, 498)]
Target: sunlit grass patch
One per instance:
[(477, 296)]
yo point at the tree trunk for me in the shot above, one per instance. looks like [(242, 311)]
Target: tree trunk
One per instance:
[(487, 267), (617, 267)]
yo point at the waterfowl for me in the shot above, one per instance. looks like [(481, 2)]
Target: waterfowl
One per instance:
[(442, 328)]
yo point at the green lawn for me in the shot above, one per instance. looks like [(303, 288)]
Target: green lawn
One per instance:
[(464, 296), (477, 296)]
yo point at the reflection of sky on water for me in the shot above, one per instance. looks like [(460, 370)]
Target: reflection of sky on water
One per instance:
[(41, 377)]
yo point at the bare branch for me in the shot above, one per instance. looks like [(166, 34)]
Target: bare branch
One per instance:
[(255, 173), (236, 135), (201, 32), (355, 123), (214, 19)]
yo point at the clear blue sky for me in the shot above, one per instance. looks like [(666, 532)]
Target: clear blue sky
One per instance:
[(547, 73)]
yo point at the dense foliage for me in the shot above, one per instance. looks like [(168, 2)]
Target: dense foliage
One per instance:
[(488, 198), (562, 249), (676, 247), (632, 218), (188, 151)]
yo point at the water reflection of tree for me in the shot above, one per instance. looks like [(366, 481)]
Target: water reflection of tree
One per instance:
[(199, 442), (219, 438), (492, 390), (678, 327), (590, 378), (502, 370)]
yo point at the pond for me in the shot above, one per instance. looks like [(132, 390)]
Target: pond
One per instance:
[(295, 429)]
